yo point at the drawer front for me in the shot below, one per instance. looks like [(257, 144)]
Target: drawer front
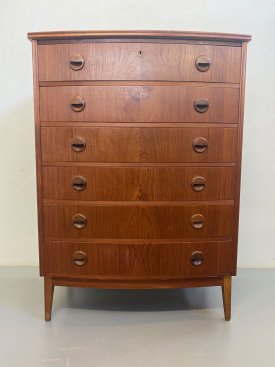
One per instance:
[(139, 104), (138, 221), (138, 260), (138, 144), (138, 183), (139, 61)]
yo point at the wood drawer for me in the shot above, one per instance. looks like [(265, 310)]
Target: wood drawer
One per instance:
[(138, 183), (137, 144), (139, 104), (138, 61), (124, 220), (103, 260)]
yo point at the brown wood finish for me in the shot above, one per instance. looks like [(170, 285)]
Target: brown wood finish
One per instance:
[(226, 294), (138, 143), (139, 261), (138, 221), (138, 61), (48, 297), (156, 34), (138, 183), (139, 104), (131, 144), (38, 156), (239, 152)]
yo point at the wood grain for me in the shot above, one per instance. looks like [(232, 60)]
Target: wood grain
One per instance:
[(184, 282), (38, 151), (138, 221), (118, 209), (138, 183), (146, 144), (48, 297), (226, 293), (239, 153), (129, 261), (139, 61), (139, 104), (143, 34)]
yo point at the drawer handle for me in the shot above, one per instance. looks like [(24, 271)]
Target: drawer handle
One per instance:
[(200, 145), (79, 183), (201, 105), (79, 221), (197, 221), (78, 144), (79, 258), (197, 258), (76, 62), (198, 183), (203, 63), (77, 104)]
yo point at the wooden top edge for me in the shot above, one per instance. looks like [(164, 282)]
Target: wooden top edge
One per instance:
[(68, 35)]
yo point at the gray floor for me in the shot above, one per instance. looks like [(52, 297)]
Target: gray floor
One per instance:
[(163, 328)]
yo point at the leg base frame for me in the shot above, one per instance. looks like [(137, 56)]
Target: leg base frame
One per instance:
[(51, 282)]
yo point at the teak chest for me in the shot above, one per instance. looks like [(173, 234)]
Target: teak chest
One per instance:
[(138, 148)]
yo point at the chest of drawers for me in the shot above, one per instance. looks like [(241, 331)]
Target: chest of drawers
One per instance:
[(138, 147)]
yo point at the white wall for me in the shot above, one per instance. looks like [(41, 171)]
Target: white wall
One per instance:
[(18, 228)]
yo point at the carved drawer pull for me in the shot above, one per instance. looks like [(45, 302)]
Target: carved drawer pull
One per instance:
[(197, 221), (198, 183), (201, 105), (79, 221), (200, 144), (79, 258), (197, 258), (78, 144), (203, 63), (77, 104), (79, 183), (76, 62)]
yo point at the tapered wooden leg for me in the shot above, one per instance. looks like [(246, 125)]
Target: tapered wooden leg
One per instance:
[(48, 297), (226, 295)]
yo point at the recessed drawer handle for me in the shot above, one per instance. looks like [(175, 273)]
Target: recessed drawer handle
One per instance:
[(76, 62), (77, 104), (79, 221), (79, 258), (200, 145), (79, 183), (197, 221), (201, 105), (203, 63), (197, 258), (78, 144), (198, 183)]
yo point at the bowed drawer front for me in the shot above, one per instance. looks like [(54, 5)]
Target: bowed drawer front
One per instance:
[(140, 104), (138, 143), (139, 61)]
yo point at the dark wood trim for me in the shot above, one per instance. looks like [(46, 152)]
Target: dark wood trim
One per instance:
[(135, 241), (136, 83), (98, 164), (158, 34), (136, 124), (136, 203), (138, 40)]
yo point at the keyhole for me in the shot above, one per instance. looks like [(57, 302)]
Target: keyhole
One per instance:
[(140, 53)]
